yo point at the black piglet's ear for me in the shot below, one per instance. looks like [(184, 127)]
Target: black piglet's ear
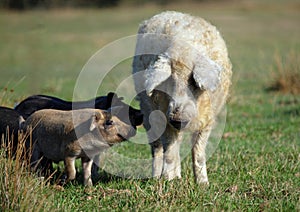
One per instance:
[(113, 100), (110, 97)]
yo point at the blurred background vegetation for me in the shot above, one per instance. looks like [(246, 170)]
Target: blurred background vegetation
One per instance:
[(48, 4), (44, 44)]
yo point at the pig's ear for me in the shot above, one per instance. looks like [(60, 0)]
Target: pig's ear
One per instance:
[(206, 73), (95, 119), (157, 73)]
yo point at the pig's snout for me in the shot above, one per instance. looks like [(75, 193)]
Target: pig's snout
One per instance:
[(178, 124), (180, 115)]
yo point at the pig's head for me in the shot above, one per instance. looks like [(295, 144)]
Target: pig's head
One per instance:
[(176, 85), (111, 128), (126, 113)]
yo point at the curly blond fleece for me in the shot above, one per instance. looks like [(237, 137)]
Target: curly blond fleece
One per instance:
[(186, 74)]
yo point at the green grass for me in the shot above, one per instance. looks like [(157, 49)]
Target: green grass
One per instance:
[(256, 165)]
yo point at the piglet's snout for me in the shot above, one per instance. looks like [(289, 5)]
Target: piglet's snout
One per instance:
[(108, 124), (123, 129)]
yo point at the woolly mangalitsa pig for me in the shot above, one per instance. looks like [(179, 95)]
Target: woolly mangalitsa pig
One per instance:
[(183, 70)]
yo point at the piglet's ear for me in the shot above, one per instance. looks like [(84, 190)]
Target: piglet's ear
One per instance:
[(95, 119), (206, 73), (157, 73)]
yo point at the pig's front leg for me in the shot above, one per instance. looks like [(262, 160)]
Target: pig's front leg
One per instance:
[(171, 140), (87, 168), (70, 168)]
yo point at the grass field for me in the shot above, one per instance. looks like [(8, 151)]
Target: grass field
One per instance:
[(256, 165)]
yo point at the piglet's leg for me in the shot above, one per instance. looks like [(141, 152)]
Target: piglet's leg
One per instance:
[(70, 167), (35, 158), (87, 168), (95, 166)]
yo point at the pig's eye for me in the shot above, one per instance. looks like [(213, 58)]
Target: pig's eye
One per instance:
[(109, 122), (192, 83), (193, 86)]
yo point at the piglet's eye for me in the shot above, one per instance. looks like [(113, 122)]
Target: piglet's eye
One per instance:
[(109, 122)]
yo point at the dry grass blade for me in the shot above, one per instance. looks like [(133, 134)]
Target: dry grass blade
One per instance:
[(286, 74), (19, 189)]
